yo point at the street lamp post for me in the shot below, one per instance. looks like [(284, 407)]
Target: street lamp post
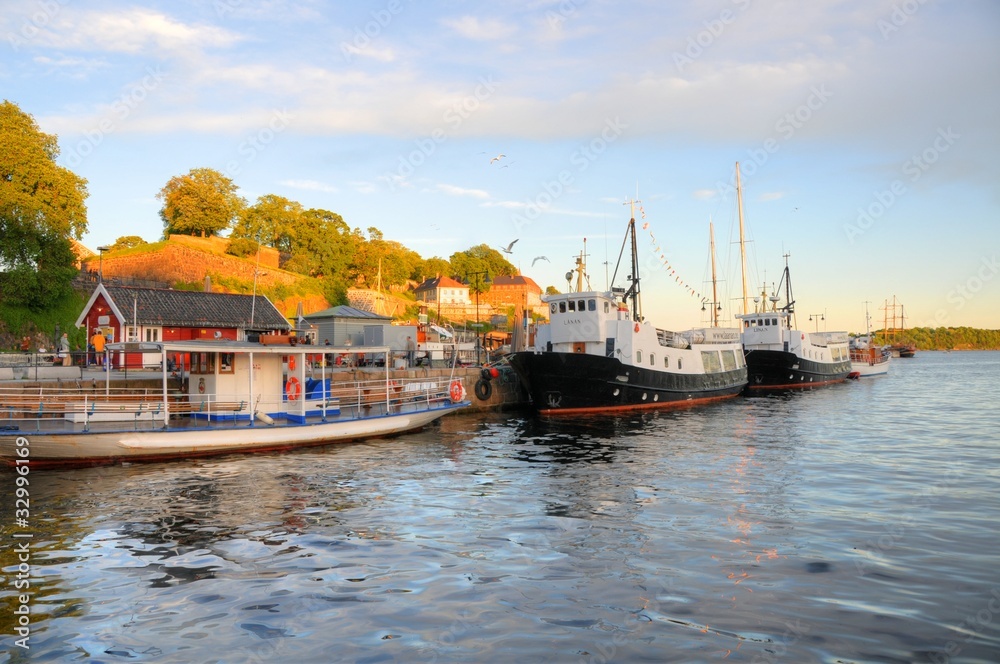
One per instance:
[(818, 317), (486, 279), (100, 270)]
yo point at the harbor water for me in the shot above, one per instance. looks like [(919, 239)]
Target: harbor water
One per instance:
[(851, 523)]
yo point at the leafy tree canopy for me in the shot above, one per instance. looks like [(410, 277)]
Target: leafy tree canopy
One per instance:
[(272, 221), (41, 208), (203, 202), (127, 242), (480, 258)]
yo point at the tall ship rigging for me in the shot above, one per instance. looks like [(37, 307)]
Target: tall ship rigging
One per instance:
[(598, 353)]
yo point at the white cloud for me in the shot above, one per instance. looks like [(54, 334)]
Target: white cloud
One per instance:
[(471, 27), (134, 31), (705, 194), (770, 196), (380, 54), (452, 190)]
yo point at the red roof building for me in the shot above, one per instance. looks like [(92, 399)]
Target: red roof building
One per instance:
[(124, 313)]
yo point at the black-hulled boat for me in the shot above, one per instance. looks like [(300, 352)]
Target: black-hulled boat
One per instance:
[(598, 354), (780, 357)]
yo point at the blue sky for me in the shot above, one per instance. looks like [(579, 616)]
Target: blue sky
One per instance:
[(867, 132)]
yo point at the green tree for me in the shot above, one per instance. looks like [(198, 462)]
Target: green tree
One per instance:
[(272, 221), (203, 202), (41, 208), (323, 247), (127, 242), (480, 258), (431, 267)]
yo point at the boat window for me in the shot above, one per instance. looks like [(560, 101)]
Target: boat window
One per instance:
[(652, 359), (607, 308), (572, 305), (728, 360), (680, 362), (591, 305), (666, 361), (202, 363), (582, 306), (710, 360), (552, 307), (774, 321), (638, 357), (562, 307)]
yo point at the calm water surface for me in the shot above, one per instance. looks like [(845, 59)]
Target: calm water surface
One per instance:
[(854, 523)]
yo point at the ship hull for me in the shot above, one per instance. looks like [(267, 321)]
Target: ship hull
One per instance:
[(775, 369), (568, 383)]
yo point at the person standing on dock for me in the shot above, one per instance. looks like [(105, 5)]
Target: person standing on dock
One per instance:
[(411, 352), (67, 359), (97, 341)]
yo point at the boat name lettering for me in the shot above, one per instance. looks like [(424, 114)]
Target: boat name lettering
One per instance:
[(572, 321)]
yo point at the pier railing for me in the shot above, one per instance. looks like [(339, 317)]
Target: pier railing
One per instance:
[(359, 399)]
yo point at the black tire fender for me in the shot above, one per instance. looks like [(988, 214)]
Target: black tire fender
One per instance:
[(484, 389)]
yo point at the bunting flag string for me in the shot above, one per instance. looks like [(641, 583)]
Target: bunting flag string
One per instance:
[(664, 260)]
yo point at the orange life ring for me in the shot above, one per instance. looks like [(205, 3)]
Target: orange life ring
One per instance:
[(636, 327), (291, 363), (293, 389), (455, 391)]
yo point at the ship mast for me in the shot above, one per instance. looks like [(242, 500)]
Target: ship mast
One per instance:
[(743, 252), (715, 295), (633, 291), (581, 267)]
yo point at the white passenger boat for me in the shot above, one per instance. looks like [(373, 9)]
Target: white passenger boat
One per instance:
[(219, 397)]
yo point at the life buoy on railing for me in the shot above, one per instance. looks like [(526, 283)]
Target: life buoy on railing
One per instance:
[(484, 389), (455, 391), (291, 363), (293, 388)]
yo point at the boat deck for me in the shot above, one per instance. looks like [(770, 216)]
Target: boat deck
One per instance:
[(75, 412)]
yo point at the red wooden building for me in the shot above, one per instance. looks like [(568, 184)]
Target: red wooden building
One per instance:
[(125, 313)]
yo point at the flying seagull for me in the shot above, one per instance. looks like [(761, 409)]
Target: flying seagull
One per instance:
[(507, 250), (497, 158), (539, 258)]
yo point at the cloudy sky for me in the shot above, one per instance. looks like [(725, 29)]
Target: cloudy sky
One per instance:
[(866, 131)]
